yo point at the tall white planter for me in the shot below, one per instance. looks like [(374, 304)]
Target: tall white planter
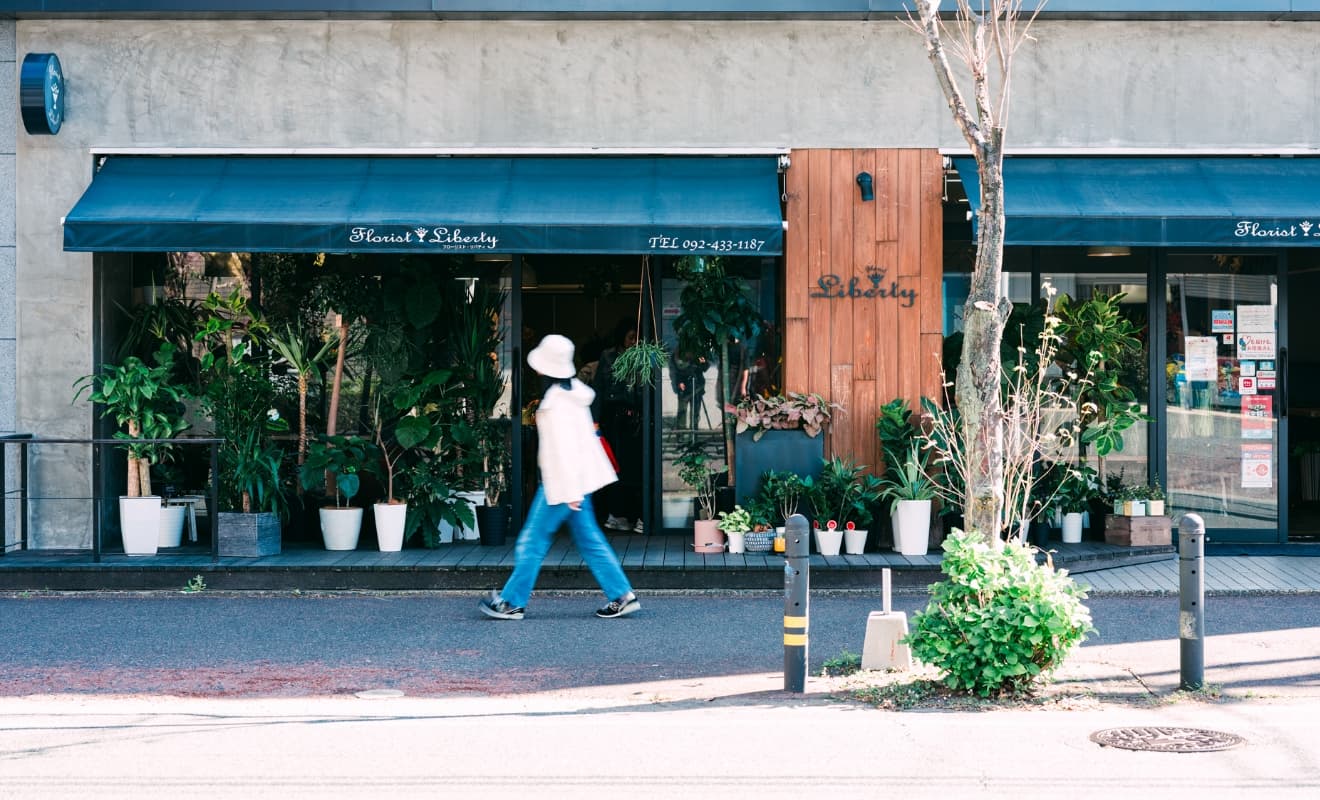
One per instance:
[(390, 519), (171, 525), (912, 527), (139, 523), (340, 528), (1072, 527)]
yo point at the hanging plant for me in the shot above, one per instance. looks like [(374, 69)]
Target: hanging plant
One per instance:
[(640, 364)]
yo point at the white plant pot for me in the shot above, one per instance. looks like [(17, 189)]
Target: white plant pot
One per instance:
[(1072, 527), (912, 527), (1155, 508), (828, 541), (139, 523), (1138, 508), (389, 525), (736, 542), (340, 528), (171, 525), (854, 542)]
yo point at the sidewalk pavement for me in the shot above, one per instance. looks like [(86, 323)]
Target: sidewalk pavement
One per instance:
[(1224, 575)]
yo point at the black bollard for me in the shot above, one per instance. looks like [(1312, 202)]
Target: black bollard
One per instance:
[(797, 587), (1191, 601)]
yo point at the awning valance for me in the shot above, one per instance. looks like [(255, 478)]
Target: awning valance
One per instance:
[(1157, 202), (660, 205)]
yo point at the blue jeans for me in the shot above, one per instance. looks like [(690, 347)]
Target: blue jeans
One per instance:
[(536, 536)]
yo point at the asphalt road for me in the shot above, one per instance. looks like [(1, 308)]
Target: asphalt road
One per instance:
[(431, 644)]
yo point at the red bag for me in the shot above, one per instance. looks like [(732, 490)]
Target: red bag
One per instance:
[(609, 451)]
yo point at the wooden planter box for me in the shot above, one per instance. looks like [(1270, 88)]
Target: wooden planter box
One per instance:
[(785, 451), (1133, 531)]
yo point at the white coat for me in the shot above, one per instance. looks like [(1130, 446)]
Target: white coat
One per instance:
[(572, 461)]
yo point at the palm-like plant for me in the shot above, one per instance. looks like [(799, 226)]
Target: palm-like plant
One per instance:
[(304, 354)]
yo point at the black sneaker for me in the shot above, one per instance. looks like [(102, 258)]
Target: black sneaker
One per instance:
[(492, 605), (619, 608)]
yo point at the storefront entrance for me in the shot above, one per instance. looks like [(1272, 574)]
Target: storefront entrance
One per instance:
[(1225, 404)]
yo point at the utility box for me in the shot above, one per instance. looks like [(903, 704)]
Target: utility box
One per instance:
[(1138, 531)]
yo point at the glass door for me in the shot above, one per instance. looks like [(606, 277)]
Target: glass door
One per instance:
[(1225, 421)]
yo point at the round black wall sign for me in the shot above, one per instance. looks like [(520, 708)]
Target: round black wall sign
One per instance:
[(41, 93)]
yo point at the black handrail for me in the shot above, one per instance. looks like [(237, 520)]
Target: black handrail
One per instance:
[(25, 440)]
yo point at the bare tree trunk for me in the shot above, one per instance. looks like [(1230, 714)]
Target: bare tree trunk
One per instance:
[(978, 385), (984, 41), (332, 418), (134, 487)]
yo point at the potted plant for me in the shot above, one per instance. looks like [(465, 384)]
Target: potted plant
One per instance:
[(697, 470), (761, 537), (343, 458), (435, 508), (1155, 499), (779, 432), (783, 491), (142, 399), (1138, 493), (735, 524), (910, 493), (400, 427), (1073, 499), (493, 517), (841, 498), (240, 398)]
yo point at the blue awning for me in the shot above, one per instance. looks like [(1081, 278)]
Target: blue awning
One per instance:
[(659, 205), (1157, 202)]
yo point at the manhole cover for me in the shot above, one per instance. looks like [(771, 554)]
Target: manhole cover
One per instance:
[(1167, 740)]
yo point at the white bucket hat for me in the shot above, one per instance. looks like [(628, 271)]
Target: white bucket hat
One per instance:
[(553, 357)]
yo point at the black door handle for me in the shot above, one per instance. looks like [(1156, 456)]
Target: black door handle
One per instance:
[(1283, 382)]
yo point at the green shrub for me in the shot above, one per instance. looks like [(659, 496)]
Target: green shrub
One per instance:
[(1000, 622)]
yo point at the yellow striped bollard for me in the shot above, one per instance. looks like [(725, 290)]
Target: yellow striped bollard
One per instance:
[(797, 586)]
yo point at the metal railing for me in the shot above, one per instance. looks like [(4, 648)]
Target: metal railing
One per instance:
[(25, 441)]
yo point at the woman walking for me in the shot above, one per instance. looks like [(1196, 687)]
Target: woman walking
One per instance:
[(573, 465)]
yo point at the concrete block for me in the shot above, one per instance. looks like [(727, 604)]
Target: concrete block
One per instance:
[(249, 535), (882, 648)]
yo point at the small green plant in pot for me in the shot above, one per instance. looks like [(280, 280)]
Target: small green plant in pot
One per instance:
[(342, 458), (1000, 623), (735, 525), (841, 499), (699, 471), (141, 398), (910, 493)]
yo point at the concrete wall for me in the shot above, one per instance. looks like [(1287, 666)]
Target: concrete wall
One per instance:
[(383, 84)]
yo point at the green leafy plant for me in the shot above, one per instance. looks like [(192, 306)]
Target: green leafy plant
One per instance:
[(343, 457), (1097, 340), (844, 492), (141, 398), (1076, 489), (638, 365), (432, 499), (907, 482), (845, 663), (736, 521), (809, 413), (698, 471), (783, 490), (1156, 491), (194, 585), (1000, 622), (896, 431)]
